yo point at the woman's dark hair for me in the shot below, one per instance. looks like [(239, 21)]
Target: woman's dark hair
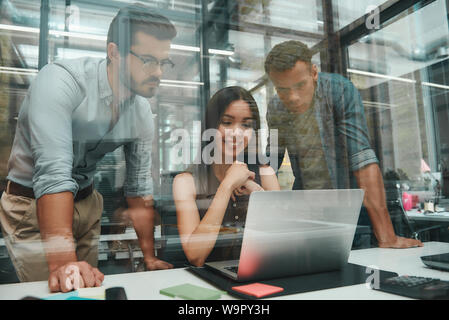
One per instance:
[(134, 18), (284, 56), (221, 100)]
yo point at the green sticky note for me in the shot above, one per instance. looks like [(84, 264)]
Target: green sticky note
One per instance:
[(192, 292)]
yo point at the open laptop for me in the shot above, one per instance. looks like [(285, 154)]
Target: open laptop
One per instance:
[(295, 232)]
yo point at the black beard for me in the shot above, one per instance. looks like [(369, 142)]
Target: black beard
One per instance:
[(128, 82)]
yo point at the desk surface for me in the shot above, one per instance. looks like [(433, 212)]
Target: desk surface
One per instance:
[(420, 216), (146, 285)]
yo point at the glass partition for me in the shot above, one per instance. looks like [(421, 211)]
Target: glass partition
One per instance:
[(399, 67), (19, 43), (401, 77), (346, 12)]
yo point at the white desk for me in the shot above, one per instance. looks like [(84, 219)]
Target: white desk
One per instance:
[(431, 217), (146, 285)]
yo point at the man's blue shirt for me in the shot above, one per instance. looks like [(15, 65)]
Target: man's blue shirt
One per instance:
[(64, 130)]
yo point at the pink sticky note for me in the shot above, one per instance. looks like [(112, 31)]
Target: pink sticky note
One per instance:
[(258, 289)]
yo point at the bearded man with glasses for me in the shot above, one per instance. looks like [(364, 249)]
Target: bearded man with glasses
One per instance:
[(75, 112)]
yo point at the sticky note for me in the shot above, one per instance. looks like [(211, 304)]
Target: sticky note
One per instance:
[(92, 293), (257, 289), (97, 293), (62, 296), (79, 298), (192, 292)]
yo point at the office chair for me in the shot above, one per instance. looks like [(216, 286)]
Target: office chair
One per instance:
[(396, 205), (415, 234), (402, 224), (171, 250)]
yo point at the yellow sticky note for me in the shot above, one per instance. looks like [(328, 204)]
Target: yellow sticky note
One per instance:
[(92, 293)]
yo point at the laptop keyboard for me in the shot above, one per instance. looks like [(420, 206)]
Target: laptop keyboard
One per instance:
[(232, 269)]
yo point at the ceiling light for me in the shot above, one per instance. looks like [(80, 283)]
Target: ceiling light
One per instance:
[(435, 85), (378, 75), (221, 52), (104, 38), (182, 82)]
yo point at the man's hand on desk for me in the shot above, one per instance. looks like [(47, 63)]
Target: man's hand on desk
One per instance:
[(74, 275), (157, 264), (401, 243)]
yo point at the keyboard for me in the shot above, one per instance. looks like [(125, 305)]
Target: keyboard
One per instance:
[(233, 269), (415, 287)]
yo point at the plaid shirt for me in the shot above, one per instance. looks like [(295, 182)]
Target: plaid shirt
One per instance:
[(340, 115)]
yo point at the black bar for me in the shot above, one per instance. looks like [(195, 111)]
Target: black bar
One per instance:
[(68, 3), (329, 55), (204, 62), (222, 42), (43, 34), (214, 14)]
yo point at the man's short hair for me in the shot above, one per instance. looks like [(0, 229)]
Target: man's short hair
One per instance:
[(285, 55), (134, 18)]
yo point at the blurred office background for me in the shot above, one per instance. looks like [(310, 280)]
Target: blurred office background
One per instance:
[(395, 52)]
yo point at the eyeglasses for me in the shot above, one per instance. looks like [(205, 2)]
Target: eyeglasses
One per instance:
[(150, 64)]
